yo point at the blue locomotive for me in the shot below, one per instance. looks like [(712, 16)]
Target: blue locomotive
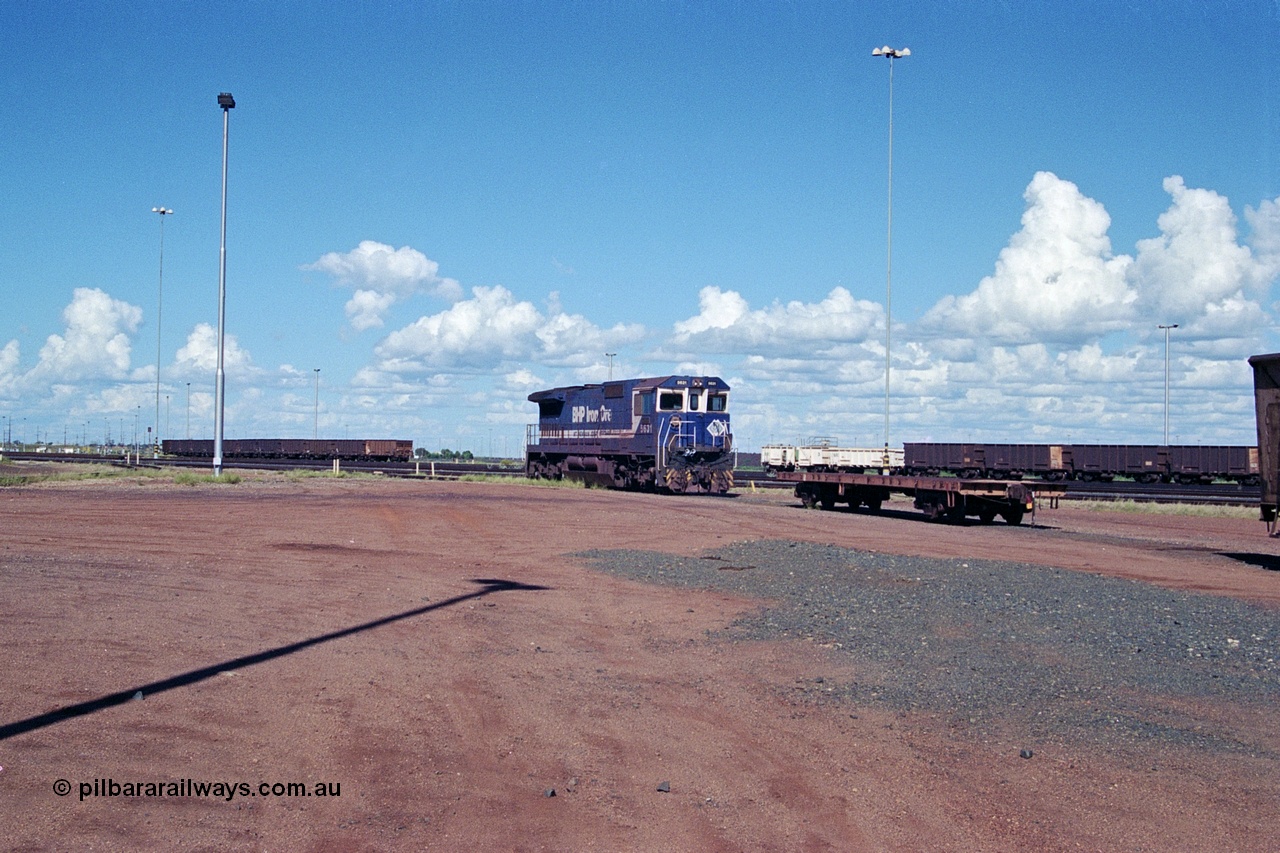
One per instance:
[(669, 432)]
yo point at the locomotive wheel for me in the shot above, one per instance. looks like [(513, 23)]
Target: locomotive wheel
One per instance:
[(721, 482), (677, 480)]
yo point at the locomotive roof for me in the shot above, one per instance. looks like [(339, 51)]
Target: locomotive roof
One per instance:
[(674, 381)]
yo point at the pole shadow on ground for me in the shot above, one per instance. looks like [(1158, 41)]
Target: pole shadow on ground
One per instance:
[(1270, 562), (488, 586)]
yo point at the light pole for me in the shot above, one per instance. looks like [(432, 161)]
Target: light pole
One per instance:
[(188, 410), (1166, 379), (610, 355), (163, 211), (891, 53), (316, 433), (227, 103)]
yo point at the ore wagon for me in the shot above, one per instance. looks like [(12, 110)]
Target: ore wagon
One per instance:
[(1266, 395)]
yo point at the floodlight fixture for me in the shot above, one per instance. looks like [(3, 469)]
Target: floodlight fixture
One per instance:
[(226, 101)]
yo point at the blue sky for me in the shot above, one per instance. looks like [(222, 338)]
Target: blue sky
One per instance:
[(447, 205)]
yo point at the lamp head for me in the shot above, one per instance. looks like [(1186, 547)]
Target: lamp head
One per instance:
[(226, 101)]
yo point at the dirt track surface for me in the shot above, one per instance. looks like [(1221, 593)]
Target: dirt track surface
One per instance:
[(449, 657)]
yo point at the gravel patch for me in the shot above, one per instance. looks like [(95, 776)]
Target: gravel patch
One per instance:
[(1063, 655)]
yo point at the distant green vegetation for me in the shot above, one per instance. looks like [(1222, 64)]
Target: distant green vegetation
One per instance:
[(445, 455)]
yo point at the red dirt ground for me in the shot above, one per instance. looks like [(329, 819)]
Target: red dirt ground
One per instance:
[(447, 728)]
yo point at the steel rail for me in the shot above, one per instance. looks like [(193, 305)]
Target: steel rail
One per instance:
[(1222, 494)]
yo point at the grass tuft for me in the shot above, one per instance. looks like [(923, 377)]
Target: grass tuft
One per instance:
[(187, 478), (74, 473), (1184, 509), (523, 481)]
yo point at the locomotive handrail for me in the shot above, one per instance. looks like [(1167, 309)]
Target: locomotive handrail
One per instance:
[(537, 434)]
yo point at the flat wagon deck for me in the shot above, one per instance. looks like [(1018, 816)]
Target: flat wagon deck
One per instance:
[(941, 498)]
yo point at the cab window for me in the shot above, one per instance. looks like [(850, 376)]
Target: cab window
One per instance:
[(671, 401), (643, 403), (694, 400), (717, 402)]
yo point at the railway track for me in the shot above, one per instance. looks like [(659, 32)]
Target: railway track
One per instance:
[(1225, 494)]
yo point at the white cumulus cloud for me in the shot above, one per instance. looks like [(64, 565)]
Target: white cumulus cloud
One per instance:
[(1265, 239), (200, 353), (95, 343), (726, 322), (1196, 273), (493, 327), (382, 276), (9, 357), (1056, 280), (366, 307)]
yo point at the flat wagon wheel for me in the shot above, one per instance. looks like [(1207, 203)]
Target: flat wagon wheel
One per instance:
[(1013, 515)]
